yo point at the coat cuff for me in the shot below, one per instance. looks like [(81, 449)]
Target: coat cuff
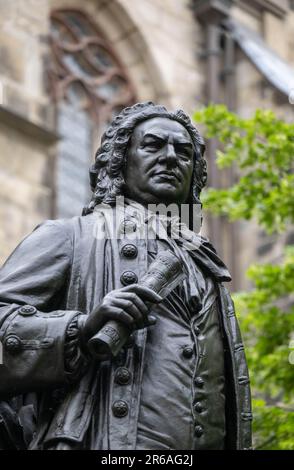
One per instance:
[(76, 358), (33, 347)]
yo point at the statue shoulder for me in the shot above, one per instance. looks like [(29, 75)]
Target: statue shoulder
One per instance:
[(206, 257), (67, 226)]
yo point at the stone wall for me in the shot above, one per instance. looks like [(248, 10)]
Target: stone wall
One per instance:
[(26, 121)]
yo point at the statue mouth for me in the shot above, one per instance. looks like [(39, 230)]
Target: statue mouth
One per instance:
[(169, 175)]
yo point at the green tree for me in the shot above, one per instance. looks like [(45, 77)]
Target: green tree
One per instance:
[(261, 150)]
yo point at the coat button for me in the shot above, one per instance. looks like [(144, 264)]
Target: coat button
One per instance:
[(122, 376), (198, 407), (27, 310), (128, 226), (199, 382), (188, 352), (198, 431), (129, 251), (120, 408), (128, 277), (12, 344)]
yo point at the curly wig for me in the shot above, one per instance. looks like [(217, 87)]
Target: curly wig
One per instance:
[(106, 174)]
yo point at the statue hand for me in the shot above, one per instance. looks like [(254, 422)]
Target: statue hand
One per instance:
[(129, 305)]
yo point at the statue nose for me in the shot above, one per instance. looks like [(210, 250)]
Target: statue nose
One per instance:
[(171, 156), (170, 151)]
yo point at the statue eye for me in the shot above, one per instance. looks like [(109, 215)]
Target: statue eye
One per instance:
[(184, 150), (154, 144)]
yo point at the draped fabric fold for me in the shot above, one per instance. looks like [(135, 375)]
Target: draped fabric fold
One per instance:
[(172, 230)]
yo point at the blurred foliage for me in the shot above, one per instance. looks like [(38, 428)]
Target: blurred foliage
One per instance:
[(261, 150), (267, 329)]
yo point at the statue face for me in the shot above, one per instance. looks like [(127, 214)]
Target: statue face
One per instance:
[(159, 162)]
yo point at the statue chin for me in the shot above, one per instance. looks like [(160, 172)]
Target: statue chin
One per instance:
[(166, 194)]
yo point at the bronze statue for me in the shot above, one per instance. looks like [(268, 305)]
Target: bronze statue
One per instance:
[(179, 379)]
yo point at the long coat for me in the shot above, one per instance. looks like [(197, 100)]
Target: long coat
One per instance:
[(58, 272)]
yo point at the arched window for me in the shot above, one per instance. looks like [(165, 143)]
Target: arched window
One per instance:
[(89, 86)]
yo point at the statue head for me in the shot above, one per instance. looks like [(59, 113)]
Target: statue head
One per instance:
[(174, 147)]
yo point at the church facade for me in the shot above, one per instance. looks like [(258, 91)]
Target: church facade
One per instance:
[(68, 66)]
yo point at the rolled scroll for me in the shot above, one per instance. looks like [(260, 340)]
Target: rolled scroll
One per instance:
[(163, 275)]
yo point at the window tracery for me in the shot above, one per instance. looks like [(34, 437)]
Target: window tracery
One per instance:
[(85, 69), (89, 86)]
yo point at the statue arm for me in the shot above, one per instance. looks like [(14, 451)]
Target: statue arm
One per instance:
[(33, 328)]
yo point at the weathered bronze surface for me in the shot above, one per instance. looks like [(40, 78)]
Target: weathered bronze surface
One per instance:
[(180, 380)]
